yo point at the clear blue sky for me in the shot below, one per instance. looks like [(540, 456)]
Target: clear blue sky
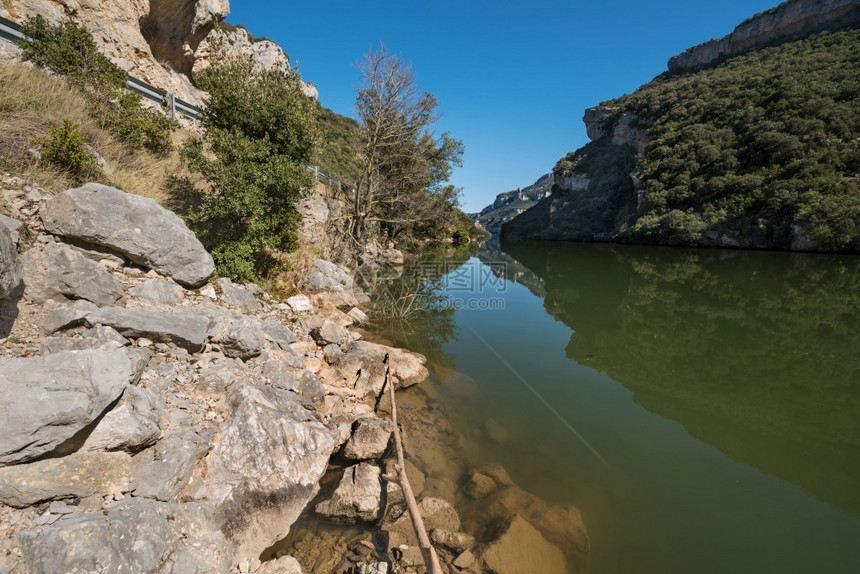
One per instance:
[(512, 78)]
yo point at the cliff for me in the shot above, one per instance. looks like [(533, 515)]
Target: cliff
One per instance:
[(788, 21), (162, 42), (511, 203), (759, 151)]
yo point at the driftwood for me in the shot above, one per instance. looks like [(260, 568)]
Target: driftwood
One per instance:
[(431, 560)]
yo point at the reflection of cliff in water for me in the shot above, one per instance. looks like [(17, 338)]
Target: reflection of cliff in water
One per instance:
[(506, 267), (756, 353)]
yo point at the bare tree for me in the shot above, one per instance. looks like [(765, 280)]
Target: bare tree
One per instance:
[(404, 165)]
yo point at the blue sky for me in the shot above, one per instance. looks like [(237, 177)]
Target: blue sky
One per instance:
[(512, 78)]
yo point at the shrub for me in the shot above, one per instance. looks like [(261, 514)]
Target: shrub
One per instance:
[(260, 135), (69, 50), (66, 148)]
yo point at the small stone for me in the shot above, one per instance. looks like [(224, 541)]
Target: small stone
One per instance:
[(118, 495), (465, 559), (60, 507), (208, 291), (245, 566), (357, 315), (144, 342), (299, 303)]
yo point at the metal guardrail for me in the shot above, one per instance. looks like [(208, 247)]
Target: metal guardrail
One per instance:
[(11, 32)]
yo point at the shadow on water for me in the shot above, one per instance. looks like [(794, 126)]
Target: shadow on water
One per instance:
[(756, 354)]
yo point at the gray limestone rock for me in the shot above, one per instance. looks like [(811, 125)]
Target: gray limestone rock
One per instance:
[(176, 455), (53, 345), (244, 340), (77, 475), (357, 496), (133, 424), (106, 334), (331, 332), (10, 264), (60, 272), (237, 296), (369, 439), (49, 399), (264, 467), (278, 334), (13, 225), (185, 329), (61, 319), (135, 226), (326, 276), (133, 536), (160, 291)]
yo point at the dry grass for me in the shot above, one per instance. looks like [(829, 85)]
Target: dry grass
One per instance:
[(33, 101)]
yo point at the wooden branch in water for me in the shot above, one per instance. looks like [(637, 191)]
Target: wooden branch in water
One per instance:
[(431, 560)]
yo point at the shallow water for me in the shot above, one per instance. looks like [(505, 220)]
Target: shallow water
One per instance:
[(701, 407)]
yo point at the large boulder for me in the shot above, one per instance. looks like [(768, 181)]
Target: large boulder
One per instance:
[(49, 399), (520, 549), (10, 265), (185, 329), (263, 468), (61, 272), (133, 535), (134, 226), (357, 497), (237, 296)]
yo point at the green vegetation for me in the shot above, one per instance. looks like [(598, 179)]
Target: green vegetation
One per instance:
[(66, 148), (338, 157), (761, 151), (260, 136), (69, 50)]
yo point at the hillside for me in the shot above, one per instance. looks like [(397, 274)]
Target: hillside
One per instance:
[(511, 203), (760, 151)]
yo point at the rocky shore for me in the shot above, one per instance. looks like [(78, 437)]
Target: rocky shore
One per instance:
[(154, 421)]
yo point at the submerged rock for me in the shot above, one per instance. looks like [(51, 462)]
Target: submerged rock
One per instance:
[(520, 549)]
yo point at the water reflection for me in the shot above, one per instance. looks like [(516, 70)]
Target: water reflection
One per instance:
[(754, 353)]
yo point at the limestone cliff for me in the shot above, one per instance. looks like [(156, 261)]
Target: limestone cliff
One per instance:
[(162, 42), (509, 204), (788, 21)]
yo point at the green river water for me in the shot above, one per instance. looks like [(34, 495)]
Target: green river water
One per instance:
[(701, 407)]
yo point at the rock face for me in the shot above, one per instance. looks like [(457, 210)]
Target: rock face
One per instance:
[(626, 129), (511, 203), (165, 537), (263, 468), (520, 549), (10, 265), (788, 21), (153, 40), (137, 227), (61, 272), (49, 399)]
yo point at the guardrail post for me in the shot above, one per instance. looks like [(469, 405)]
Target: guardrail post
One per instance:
[(316, 174), (171, 103)]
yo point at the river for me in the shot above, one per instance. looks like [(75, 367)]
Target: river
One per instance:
[(701, 407)]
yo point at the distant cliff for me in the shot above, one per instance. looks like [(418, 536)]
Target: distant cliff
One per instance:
[(759, 151), (788, 21), (162, 42), (511, 203)]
